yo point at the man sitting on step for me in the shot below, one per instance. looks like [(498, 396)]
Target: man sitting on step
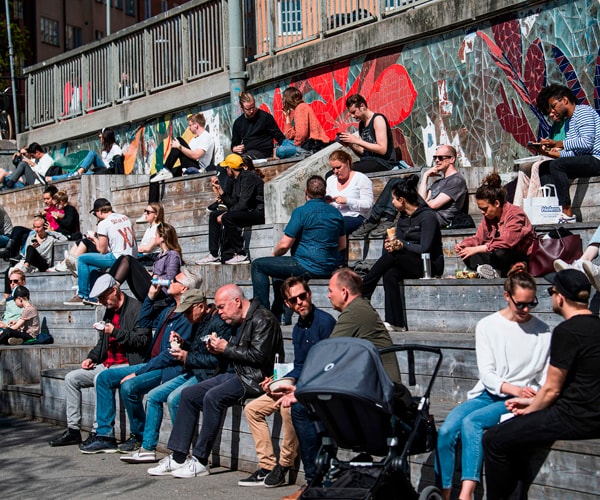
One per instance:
[(121, 341), (135, 381)]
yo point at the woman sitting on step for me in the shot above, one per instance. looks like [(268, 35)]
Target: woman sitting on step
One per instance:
[(512, 349), (417, 233), (166, 267), (504, 237)]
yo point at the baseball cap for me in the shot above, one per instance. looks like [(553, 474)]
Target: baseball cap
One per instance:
[(570, 283), (99, 203), (233, 160), (102, 284), (189, 298)]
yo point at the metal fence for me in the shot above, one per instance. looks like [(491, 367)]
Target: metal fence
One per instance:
[(185, 44)]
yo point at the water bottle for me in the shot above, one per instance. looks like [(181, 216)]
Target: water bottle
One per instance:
[(426, 265), (160, 282)]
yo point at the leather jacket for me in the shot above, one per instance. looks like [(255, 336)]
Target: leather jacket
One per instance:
[(252, 351)]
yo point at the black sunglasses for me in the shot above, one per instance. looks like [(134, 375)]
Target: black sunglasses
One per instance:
[(441, 157), (522, 305), (552, 291), (301, 296), (149, 212), (15, 281)]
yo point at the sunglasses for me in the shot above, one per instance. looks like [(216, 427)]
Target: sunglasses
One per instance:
[(441, 157), (552, 291), (522, 305), (300, 297), (149, 212), (15, 281)]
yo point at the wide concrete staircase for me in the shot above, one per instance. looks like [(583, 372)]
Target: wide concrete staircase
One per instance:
[(440, 312)]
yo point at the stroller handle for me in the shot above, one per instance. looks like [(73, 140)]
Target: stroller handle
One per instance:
[(410, 350)]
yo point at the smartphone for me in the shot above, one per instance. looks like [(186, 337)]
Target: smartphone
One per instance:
[(534, 144)]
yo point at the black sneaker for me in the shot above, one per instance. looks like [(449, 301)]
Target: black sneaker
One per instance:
[(131, 445), (256, 479), (276, 477), (91, 436), (100, 444), (69, 437), (365, 228), (381, 230)]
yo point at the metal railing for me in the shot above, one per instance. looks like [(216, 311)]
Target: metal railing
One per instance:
[(182, 45)]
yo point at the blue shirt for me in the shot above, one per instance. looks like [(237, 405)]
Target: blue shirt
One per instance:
[(582, 133), (316, 226), (317, 326)]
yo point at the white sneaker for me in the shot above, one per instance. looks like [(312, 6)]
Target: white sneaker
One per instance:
[(238, 259), (487, 272), (592, 271), (61, 267), (191, 468), (165, 467), (163, 175), (71, 264), (209, 259), (561, 265), (565, 219), (141, 456)]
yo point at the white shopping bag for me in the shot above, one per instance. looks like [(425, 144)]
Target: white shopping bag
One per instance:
[(543, 209)]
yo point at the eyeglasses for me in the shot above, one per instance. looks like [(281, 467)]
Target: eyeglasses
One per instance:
[(441, 157), (300, 297), (522, 305), (552, 291), (149, 212)]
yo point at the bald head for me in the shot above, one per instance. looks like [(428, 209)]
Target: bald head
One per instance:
[(231, 304)]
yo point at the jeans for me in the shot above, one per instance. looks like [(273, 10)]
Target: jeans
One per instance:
[(75, 381), (308, 438), (559, 171), (383, 206), (286, 150), (92, 158), (132, 392), (212, 397), (86, 263), (3, 240), (466, 423), (506, 447), (279, 268), (501, 259), (170, 392)]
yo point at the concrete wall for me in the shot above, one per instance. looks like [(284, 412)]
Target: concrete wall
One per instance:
[(463, 72)]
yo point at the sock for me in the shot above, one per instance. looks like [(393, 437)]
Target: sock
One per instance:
[(179, 457), (203, 461)]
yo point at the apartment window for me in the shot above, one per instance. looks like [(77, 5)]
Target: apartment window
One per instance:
[(49, 29), (119, 4), (18, 10), (290, 13), (130, 7), (74, 37)]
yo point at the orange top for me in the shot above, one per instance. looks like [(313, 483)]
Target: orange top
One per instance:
[(306, 126)]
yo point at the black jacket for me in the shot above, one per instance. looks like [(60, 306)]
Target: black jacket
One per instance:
[(252, 351), (134, 339), (202, 363), (248, 193), (69, 224)]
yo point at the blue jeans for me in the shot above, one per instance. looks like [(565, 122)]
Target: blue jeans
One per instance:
[(308, 438), (132, 393), (212, 397), (286, 150), (170, 392), (279, 268), (467, 423), (3, 240), (88, 262)]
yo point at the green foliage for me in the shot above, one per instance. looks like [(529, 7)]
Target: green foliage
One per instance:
[(20, 39)]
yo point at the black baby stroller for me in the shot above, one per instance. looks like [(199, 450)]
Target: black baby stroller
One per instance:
[(344, 384)]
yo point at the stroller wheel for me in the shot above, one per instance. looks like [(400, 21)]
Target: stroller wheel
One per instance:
[(431, 493)]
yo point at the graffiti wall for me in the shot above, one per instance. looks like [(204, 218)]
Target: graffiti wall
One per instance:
[(475, 88)]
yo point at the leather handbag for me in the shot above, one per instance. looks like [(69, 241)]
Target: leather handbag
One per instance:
[(557, 244)]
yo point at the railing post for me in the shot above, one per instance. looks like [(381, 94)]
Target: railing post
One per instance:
[(272, 16), (58, 93), (148, 76), (86, 84), (185, 47)]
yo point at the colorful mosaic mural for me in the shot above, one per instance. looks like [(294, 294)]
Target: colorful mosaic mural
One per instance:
[(475, 88)]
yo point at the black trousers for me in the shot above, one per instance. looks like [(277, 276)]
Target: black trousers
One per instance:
[(232, 242)]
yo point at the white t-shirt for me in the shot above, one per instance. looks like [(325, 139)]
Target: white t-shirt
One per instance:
[(121, 237), (203, 141), (107, 156), (150, 235), (43, 165), (358, 193)]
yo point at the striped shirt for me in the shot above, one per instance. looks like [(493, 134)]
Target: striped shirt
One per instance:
[(583, 133)]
